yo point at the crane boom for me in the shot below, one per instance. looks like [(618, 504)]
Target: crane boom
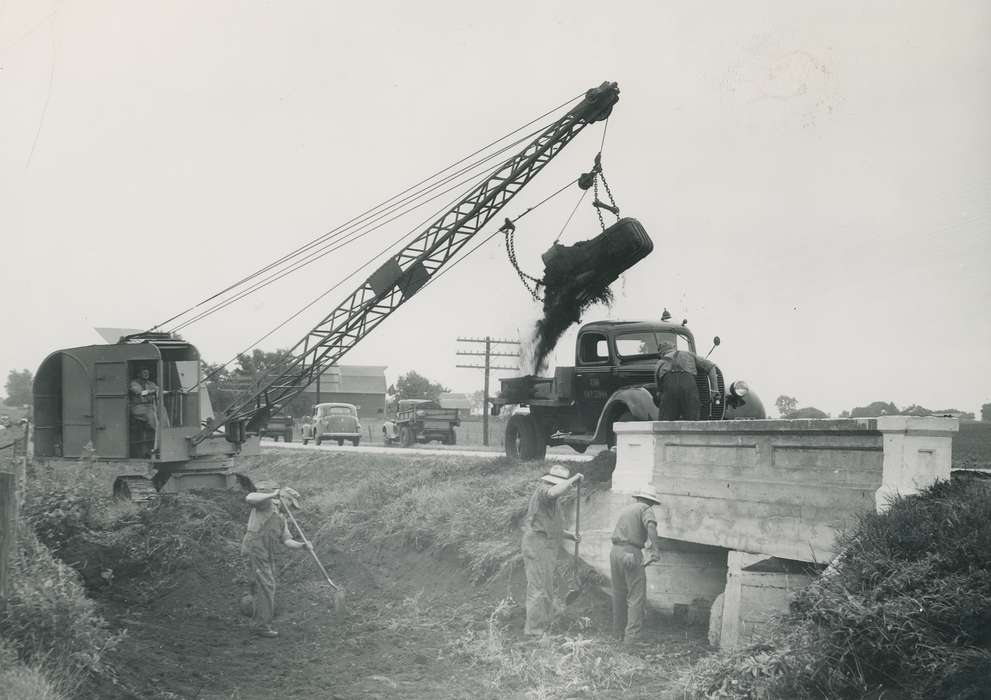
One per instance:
[(404, 274)]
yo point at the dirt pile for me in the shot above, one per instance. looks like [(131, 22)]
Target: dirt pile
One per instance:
[(578, 276)]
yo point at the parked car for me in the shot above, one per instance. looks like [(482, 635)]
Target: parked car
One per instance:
[(333, 421)]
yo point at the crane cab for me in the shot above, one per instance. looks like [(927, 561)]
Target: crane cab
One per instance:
[(87, 400)]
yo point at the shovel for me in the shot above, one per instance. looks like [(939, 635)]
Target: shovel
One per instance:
[(339, 594), (574, 592)]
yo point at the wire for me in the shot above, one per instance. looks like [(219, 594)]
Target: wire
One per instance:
[(329, 247), (319, 239)]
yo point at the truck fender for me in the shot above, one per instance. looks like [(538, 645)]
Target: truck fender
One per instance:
[(636, 400)]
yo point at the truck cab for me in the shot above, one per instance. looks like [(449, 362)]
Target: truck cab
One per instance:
[(611, 381)]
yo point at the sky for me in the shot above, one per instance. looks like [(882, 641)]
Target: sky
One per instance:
[(816, 177)]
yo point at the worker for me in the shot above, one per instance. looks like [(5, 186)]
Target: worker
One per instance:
[(144, 402), (266, 529), (677, 394), (543, 535), (635, 525)]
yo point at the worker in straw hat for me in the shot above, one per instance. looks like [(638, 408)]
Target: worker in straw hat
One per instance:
[(635, 525), (543, 535), (266, 530)]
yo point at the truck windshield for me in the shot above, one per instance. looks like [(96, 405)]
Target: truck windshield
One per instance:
[(644, 343)]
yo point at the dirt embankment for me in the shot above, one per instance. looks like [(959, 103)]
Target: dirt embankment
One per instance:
[(428, 549)]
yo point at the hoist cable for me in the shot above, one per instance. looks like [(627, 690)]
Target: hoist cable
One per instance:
[(322, 237), (354, 236), (295, 315)]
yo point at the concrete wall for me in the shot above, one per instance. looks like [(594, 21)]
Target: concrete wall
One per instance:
[(776, 487)]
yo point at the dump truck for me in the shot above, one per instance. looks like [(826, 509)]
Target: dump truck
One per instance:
[(421, 420), (612, 381), (278, 427)]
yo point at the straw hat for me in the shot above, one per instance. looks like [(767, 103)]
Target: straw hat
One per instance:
[(556, 474), (648, 493)]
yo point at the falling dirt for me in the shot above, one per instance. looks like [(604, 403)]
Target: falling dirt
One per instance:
[(578, 276)]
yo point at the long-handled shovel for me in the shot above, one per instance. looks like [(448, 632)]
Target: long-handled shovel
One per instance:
[(574, 592), (339, 595)]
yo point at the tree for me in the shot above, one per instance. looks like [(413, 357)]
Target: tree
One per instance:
[(986, 413), (19, 387), (807, 412), (845, 414), (785, 404), (415, 386), (916, 410)]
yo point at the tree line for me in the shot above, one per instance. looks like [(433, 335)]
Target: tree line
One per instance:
[(788, 408)]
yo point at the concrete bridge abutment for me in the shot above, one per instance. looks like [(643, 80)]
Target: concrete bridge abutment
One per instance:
[(751, 509)]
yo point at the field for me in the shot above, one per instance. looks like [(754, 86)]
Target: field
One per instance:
[(972, 446), (428, 549)]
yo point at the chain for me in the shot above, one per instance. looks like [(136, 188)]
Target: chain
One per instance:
[(531, 283)]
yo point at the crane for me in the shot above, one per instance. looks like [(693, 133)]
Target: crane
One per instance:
[(397, 280)]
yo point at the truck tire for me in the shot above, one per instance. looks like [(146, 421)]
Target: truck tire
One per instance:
[(340, 442), (306, 441), (287, 437), (452, 438), (624, 417), (356, 442), (406, 437), (524, 439), (317, 440)]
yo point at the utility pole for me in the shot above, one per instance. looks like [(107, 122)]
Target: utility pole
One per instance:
[(488, 367)]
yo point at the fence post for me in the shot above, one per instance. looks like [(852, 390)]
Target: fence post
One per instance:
[(8, 531)]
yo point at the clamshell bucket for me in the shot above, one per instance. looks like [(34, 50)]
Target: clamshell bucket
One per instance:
[(597, 263)]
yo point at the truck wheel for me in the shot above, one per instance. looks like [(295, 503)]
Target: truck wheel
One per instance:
[(524, 439), (406, 438), (340, 442), (287, 437), (624, 417), (356, 442), (317, 440), (452, 438), (306, 441)]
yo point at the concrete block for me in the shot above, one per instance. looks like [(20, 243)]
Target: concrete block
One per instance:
[(917, 452), (757, 588)]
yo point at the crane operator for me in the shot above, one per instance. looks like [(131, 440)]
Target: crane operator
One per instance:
[(144, 404)]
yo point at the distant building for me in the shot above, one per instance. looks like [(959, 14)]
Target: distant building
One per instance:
[(461, 402), (361, 385)]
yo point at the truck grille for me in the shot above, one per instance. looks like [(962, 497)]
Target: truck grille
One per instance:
[(710, 412)]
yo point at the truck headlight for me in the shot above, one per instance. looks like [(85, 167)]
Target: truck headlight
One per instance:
[(739, 388)]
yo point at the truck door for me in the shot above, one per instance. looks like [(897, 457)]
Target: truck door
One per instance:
[(110, 427), (593, 377)]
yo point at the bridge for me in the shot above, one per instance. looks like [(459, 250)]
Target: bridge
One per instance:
[(750, 509)]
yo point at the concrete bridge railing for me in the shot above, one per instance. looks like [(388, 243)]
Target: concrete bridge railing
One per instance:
[(748, 506)]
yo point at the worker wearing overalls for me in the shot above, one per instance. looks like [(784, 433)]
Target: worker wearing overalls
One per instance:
[(634, 526), (266, 530), (543, 535)]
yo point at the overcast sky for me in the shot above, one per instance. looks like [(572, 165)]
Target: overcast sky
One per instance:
[(816, 179)]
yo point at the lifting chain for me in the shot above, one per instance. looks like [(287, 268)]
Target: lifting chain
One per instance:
[(531, 283), (591, 179)]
